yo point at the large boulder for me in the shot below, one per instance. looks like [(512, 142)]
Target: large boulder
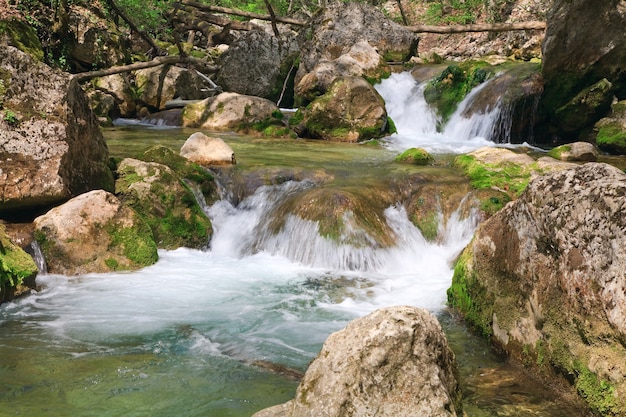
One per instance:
[(361, 59), (544, 279), (267, 60), (579, 52), (395, 362), (350, 111), (342, 25), (231, 111), (156, 86), (165, 202), (50, 145), (94, 232)]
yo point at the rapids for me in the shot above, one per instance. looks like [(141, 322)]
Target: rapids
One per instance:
[(194, 334)]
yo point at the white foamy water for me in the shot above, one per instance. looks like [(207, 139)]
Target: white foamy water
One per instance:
[(417, 123), (254, 294)]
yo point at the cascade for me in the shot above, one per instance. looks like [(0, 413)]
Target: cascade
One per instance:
[(470, 126)]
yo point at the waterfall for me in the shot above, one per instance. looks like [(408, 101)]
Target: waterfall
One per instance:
[(35, 252), (417, 123)]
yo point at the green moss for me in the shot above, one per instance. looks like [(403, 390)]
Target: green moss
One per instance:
[(506, 176), (611, 138), (494, 203), (598, 393), (428, 225), (415, 156), (23, 37), (16, 266), (467, 295), (297, 118), (447, 90), (137, 243), (112, 264), (391, 126), (557, 152)]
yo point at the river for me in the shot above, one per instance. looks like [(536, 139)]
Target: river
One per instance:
[(226, 331)]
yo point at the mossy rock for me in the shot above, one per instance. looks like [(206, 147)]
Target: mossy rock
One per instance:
[(557, 152), (17, 268), (165, 202), (506, 176), (23, 37), (415, 156), (447, 90), (611, 137)]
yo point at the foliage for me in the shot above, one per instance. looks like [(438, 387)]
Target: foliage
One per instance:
[(463, 12), (598, 393), (10, 118)]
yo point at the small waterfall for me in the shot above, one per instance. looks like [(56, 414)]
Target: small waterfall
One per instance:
[(247, 229), (417, 123), (37, 255)]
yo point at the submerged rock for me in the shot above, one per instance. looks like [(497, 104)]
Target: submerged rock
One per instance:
[(395, 362), (94, 232), (544, 278)]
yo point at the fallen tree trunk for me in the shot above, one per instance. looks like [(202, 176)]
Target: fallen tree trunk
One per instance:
[(163, 60), (234, 12), (486, 27)]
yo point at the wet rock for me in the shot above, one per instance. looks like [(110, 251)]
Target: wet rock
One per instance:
[(585, 108), (164, 202), (50, 144), (94, 232), (393, 362), (544, 278), (18, 268), (350, 111), (207, 151), (415, 156)]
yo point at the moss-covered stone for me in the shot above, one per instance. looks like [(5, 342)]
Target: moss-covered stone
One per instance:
[(507, 176), (415, 156), (16, 267), (558, 151), (23, 37), (611, 138), (467, 295), (447, 90), (165, 202)]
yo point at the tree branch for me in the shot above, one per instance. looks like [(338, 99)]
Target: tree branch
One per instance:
[(487, 27)]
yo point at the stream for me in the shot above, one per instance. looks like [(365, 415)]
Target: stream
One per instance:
[(229, 330)]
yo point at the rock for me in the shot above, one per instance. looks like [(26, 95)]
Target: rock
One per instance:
[(611, 130), (268, 61), (585, 108), (230, 111), (579, 52), (576, 152), (118, 87), (18, 268), (361, 60), (158, 85), (350, 111), (207, 151), (50, 142), (19, 34), (415, 156), (162, 200), (342, 25), (544, 278), (394, 362), (94, 232)]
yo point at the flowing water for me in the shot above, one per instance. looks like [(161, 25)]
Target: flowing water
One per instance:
[(228, 331)]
